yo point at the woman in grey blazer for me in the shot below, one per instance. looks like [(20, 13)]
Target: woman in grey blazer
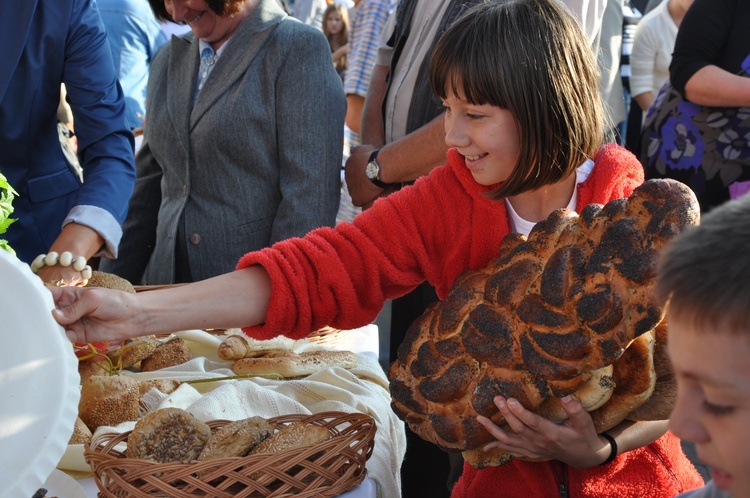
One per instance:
[(247, 158)]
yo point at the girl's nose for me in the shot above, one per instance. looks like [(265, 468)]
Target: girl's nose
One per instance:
[(455, 136)]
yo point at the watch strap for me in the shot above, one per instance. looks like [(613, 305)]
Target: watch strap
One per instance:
[(376, 181)]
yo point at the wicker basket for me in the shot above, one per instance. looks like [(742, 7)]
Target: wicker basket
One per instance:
[(330, 337), (322, 470)]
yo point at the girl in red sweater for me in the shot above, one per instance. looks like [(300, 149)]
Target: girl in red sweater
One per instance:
[(525, 123)]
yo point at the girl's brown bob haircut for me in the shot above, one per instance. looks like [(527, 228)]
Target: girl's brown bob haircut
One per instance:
[(531, 58), (223, 8)]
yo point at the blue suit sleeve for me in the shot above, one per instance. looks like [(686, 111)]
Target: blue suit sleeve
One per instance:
[(105, 143)]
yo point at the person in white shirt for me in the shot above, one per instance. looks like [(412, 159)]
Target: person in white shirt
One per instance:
[(652, 49)]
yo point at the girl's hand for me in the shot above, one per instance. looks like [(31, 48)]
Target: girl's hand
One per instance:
[(96, 314), (574, 442)]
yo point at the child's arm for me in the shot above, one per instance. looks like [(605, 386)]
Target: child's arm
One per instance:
[(574, 442), (235, 299)]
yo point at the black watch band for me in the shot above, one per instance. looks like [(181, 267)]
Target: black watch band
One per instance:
[(376, 180)]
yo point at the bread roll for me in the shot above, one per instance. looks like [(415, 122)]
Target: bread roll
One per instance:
[(168, 435), (109, 281), (238, 346), (132, 352), (108, 400), (236, 438), (97, 365), (295, 365), (168, 354), (81, 433), (167, 386), (235, 347), (294, 435)]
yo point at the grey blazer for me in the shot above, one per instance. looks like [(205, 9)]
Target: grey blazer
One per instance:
[(256, 161)]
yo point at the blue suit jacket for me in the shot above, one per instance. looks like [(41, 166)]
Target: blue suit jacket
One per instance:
[(46, 42)]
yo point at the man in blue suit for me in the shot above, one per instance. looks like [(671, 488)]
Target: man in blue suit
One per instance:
[(46, 43)]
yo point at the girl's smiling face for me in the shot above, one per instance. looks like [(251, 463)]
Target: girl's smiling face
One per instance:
[(204, 22), (485, 135), (334, 23), (713, 399)]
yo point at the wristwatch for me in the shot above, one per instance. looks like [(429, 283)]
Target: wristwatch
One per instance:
[(373, 170)]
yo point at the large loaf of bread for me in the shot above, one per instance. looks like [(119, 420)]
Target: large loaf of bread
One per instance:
[(542, 320)]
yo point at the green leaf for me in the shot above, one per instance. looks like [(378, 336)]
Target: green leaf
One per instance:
[(5, 224), (6, 208), (4, 245)]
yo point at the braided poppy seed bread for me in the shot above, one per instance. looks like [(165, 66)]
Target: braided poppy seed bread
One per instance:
[(540, 318)]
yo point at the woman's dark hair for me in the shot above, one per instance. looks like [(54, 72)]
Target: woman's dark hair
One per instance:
[(224, 8), (531, 58)]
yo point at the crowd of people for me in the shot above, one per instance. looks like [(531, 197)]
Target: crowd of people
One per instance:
[(301, 173)]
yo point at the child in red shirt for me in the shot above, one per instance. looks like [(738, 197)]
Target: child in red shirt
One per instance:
[(524, 122)]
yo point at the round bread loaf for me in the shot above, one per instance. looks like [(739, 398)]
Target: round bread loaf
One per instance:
[(541, 318), (109, 281), (108, 400), (168, 435)]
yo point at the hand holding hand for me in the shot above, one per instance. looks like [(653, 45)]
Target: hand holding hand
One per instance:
[(574, 442), (60, 275), (95, 314)]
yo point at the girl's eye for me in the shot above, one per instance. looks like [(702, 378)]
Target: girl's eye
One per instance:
[(717, 409), (473, 117)]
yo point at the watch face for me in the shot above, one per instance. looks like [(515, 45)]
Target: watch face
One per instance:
[(372, 171)]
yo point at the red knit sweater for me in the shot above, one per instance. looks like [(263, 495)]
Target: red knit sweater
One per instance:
[(435, 230)]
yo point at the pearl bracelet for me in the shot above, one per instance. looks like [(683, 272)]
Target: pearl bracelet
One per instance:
[(64, 259)]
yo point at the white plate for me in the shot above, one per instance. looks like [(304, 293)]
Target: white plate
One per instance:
[(61, 485), (39, 382)]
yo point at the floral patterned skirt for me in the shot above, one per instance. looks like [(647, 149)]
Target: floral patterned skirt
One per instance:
[(707, 148)]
